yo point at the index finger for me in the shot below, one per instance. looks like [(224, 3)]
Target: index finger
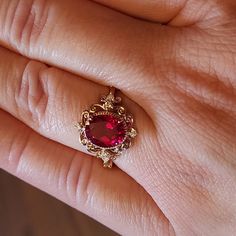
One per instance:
[(82, 37)]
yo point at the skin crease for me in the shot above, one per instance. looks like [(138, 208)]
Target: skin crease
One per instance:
[(177, 79)]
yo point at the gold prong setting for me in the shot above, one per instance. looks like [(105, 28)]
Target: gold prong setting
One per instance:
[(106, 129)]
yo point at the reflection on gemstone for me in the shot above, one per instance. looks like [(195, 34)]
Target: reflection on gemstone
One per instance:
[(106, 130)]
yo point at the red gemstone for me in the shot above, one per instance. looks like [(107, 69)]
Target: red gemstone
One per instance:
[(106, 130)]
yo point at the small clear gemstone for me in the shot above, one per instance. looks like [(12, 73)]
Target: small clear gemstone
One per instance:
[(133, 133)]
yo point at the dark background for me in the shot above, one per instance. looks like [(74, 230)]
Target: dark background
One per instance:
[(26, 211)]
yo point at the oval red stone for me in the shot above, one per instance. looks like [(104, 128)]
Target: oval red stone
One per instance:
[(106, 130)]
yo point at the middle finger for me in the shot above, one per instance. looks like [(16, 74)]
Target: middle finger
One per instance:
[(80, 36), (50, 100)]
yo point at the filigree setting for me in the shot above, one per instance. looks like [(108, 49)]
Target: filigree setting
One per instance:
[(109, 106)]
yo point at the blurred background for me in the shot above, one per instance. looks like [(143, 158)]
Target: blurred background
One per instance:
[(26, 211)]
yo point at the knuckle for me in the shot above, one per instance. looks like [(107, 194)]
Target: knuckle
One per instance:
[(32, 93), (15, 146), (25, 22), (76, 179)]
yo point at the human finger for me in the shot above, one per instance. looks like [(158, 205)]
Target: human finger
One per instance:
[(51, 101), (111, 197), (80, 36), (132, 50)]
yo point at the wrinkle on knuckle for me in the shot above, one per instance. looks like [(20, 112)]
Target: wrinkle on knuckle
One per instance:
[(76, 180), (25, 22), (84, 190), (17, 149), (32, 94)]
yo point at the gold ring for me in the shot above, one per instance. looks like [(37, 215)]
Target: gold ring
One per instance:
[(106, 129)]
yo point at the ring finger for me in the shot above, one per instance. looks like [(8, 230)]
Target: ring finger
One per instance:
[(110, 197)]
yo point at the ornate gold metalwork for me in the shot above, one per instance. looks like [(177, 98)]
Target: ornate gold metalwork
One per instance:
[(109, 104)]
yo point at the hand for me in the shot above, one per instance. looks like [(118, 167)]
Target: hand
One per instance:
[(177, 79)]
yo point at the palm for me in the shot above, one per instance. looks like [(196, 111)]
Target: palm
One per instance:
[(175, 86)]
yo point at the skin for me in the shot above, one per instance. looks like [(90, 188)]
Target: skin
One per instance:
[(174, 63)]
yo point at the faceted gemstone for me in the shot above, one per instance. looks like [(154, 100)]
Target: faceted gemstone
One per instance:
[(106, 130)]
